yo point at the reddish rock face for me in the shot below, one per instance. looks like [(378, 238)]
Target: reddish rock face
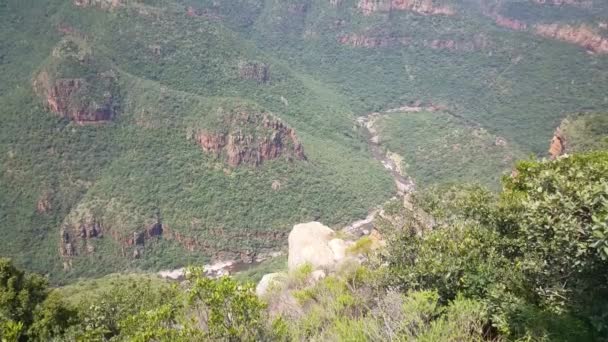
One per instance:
[(575, 3), (425, 7), (59, 101), (358, 40), (105, 4), (479, 42), (70, 99), (509, 23), (558, 145), (269, 139), (256, 71), (583, 36)]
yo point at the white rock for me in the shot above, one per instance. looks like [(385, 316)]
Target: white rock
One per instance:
[(268, 282), (317, 275), (338, 247), (308, 243)]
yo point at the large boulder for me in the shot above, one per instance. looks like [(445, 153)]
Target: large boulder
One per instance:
[(270, 281), (315, 244)]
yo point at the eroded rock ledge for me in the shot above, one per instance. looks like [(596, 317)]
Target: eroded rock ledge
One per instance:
[(251, 138), (103, 4), (582, 35), (75, 86), (425, 7)]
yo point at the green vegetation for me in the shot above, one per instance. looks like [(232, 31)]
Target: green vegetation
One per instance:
[(168, 74), (144, 165), (585, 132), (529, 263), (440, 148)]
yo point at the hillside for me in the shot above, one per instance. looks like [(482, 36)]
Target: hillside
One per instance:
[(153, 134), (457, 263)]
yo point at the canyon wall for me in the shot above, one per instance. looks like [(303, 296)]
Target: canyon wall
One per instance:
[(425, 7), (252, 138)]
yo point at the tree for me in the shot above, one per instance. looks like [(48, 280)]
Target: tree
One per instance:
[(20, 293)]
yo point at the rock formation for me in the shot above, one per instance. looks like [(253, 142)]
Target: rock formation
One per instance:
[(477, 42), (251, 138), (582, 35), (425, 7), (75, 239), (558, 144), (366, 41), (103, 4), (315, 244), (509, 23), (575, 3), (70, 98), (73, 85), (269, 282), (259, 72)]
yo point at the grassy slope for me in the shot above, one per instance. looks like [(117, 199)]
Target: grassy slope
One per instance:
[(586, 132), (439, 148)]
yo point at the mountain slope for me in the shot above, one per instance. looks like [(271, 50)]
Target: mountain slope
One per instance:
[(148, 134)]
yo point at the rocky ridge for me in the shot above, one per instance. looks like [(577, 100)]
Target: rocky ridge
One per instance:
[(558, 144), (73, 85), (583, 35), (477, 42), (251, 138), (424, 7), (575, 3)]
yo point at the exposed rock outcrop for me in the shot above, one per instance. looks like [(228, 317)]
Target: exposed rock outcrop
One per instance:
[(315, 244), (509, 23), (558, 144), (477, 42), (75, 239), (574, 3), (365, 41), (583, 35), (257, 71), (44, 205), (251, 138), (74, 86), (269, 282), (70, 98), (425, 7), (103, 4)]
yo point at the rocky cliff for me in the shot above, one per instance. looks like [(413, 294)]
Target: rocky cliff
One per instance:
[(582, 35), (251, 138), (425, 7), (104, 4), (256, 71), (575, 3), (70, 98), (475, 43), (558, 144), (75, 86)]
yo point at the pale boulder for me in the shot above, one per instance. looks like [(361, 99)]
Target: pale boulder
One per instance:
[(338, 248), (270, 281), (317, 275), (309, 243)]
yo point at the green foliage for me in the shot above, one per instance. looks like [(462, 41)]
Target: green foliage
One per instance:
[(52, 318), (585, 132), (534, 255), (439, 147), (225, 309), (20, 294), (463, 321)]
